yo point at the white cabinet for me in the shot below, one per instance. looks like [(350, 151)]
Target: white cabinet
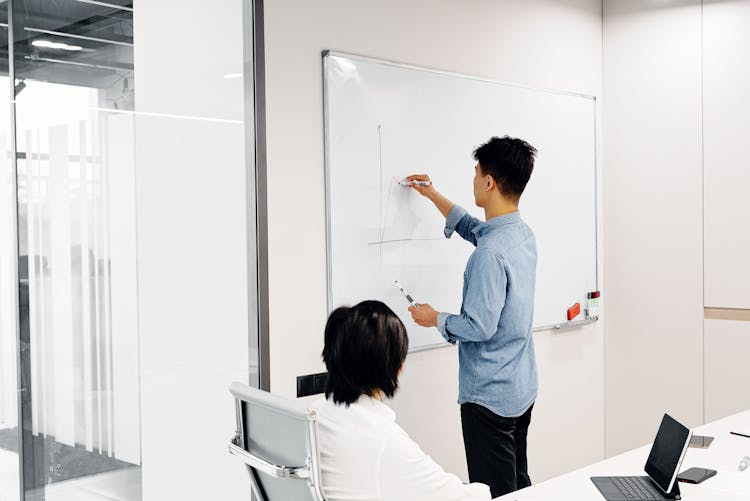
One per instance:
[(727, 358), (726, 151)]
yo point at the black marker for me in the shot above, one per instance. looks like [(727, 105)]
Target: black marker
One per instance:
[(406, 294)]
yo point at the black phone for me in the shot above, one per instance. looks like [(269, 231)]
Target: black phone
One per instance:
[(700, 442), (695, 475)]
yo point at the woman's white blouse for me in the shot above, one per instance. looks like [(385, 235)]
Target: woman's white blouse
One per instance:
[(365, 455)]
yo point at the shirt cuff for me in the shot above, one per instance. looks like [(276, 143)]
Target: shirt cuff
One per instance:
[(454, 216), (442, 317)]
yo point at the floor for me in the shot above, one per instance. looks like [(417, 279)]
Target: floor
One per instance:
[(119, 485), (8, 476), (74, 462)]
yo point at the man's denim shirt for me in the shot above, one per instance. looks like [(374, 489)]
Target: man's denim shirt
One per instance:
[(497, 367)]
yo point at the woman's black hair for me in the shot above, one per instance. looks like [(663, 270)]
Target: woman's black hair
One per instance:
[(365, 347)]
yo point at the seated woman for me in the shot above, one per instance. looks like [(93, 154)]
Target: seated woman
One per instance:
[(364, 454)]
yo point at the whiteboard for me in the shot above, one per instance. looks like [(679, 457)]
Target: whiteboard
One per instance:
[(385, 120)]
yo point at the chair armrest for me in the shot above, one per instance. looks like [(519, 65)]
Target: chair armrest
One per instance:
[(274, 470)]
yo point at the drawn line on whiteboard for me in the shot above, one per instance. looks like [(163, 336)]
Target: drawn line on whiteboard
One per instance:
[(394, 181), (384, 215), (380, 208), (404, 240)]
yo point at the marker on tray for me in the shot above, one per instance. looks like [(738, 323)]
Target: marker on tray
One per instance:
[(591, 311)]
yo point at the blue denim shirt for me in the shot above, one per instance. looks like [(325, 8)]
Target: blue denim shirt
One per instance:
[(497, 366)]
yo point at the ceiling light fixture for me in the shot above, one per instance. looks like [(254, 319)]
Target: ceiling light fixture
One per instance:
[(55, 45), (233, 75)]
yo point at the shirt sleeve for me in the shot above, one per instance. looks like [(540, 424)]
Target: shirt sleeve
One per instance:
[(406, 472), (483, 300), (460, 221), (442, 317)]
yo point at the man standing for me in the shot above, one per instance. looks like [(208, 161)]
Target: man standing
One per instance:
[(497, 367)]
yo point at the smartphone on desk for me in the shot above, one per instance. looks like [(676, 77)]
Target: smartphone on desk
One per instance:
[(700, 442), (695, 475)]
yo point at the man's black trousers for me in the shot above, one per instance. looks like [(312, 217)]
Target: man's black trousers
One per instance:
[(496, 448)]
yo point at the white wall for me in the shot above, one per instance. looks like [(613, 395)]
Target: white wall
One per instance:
[(676, 80), (726, 120), (553, 44), (652, 214)]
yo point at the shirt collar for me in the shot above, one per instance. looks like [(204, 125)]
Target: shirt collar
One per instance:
[(376, 407), (495, 222)]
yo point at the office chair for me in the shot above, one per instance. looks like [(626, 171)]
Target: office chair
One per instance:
[(273, 433)]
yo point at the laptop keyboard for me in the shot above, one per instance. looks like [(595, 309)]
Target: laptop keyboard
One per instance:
[(636, 488)]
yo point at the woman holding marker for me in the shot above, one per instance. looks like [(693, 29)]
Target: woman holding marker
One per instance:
[(364, 454), (497, 366)]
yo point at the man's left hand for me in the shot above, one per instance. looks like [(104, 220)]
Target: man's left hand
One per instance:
[(424, 315)]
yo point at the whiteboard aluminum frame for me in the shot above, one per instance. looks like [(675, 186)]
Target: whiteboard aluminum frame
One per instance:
[(326, 160), (332, 53), (327, 169)]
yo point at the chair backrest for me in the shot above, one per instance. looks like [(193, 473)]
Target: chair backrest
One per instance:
[(277, 439)]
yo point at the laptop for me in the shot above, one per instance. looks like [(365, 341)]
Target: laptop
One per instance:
[(662, 466)]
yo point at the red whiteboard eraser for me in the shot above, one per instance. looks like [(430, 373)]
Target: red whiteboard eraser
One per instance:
[(574, 311)]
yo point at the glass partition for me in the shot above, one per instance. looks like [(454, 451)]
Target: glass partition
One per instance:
[(130, 189), (9, 354), (73, 63)]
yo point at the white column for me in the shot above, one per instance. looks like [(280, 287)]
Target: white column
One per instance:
[(192, 257), (8, 376), (119, 162), (60, 256)]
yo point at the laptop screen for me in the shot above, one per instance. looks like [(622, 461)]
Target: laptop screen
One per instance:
[(667, 452)]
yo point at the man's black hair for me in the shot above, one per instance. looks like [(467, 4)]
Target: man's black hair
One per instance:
[(509, 161), (365, 346)]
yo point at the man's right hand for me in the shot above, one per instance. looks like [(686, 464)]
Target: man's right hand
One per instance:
[(423, 190), (443, 204)]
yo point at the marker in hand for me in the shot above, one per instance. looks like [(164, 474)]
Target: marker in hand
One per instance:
[(406, 294), (406, 182)]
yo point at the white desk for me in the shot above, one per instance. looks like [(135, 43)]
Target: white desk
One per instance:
[(723, 455)]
